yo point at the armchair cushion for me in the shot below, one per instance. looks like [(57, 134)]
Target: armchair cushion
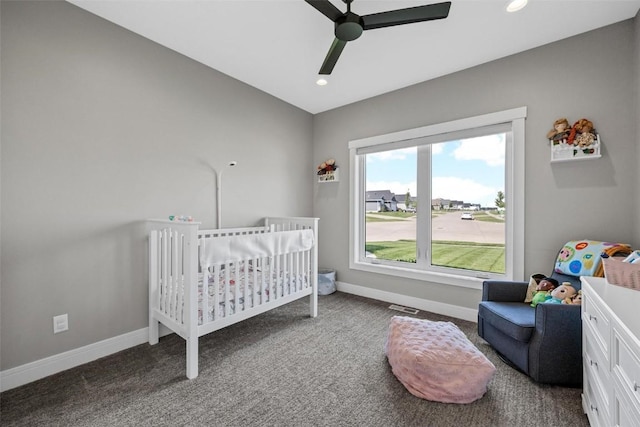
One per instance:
[(515, 319), (497, 290)]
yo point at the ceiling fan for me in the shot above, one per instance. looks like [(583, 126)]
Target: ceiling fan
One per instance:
[(349, 26)]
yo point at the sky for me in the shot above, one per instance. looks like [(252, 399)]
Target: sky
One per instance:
[(470, 170)]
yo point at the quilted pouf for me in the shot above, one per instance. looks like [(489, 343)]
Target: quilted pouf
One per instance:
[(436, 361)]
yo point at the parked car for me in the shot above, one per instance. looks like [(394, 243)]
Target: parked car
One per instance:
[(466, 215), (413, 210)]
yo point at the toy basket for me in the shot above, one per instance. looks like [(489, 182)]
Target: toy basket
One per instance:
[(622, 273)]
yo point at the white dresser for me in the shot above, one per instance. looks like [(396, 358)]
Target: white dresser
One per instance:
[(611, 353)]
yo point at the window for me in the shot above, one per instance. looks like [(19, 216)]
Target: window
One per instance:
[(443, 203)]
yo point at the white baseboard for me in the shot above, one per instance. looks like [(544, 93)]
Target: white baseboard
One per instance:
[(24, 374), (456, 311)]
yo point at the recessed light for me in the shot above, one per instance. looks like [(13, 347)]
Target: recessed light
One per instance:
[(516, 5), (321, 82)]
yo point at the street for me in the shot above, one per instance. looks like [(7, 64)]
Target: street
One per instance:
[(447, 226)]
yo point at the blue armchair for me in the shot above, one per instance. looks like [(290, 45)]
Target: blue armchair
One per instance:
[(544, 342)]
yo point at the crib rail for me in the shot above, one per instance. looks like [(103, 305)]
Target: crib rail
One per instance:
[(173, 267), (244, 231)]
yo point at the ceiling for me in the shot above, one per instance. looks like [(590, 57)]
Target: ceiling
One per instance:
[(278, 46)]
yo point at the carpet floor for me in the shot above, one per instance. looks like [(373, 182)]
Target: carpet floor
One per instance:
[(281, 368)]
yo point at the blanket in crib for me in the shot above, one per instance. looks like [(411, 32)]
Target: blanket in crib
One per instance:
[(242, 281)]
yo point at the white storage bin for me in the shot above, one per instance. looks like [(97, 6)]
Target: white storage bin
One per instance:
[(326, 281)]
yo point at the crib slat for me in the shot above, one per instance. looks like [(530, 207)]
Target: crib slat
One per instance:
[(227, 299), (275, 272), (165, 270), (204, 297), (236, 288), (172, 246), (292, 277), (307, 269), (254, 275), (174, 274), (245, 284), (216, 292), (298, 283), (180, 279), (263, 282)]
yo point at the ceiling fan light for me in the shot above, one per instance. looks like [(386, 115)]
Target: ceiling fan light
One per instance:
[(516, 5), (321, 82)]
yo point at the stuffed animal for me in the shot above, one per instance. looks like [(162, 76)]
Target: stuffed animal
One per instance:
[(560, 130), (533, 284), (562, 292), (581, 133), (543, 290), (576, 299), (585, 139)]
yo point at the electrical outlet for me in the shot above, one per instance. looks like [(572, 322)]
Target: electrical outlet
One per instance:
[(60, 323)]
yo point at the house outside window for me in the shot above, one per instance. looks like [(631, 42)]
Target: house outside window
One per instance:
[(464, 184)]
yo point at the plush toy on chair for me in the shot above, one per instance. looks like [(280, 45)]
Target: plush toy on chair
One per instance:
[(562, 294)]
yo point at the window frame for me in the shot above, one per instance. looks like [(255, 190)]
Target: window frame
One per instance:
[(514, 120)]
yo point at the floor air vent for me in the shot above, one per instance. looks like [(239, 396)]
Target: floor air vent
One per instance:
[(403, 309)]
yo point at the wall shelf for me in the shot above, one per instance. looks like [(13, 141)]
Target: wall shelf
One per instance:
[(563, 152)]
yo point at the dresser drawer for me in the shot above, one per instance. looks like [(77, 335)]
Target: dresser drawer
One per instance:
[(596, 367), (594, 317), (625, 413), (594, 405), (626, 363)]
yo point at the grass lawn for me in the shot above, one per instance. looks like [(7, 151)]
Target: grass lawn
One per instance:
[(467, 255), (388, 216), (483, 216)]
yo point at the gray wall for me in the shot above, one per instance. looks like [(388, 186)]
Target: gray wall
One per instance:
[(100, 130), (590, 75)]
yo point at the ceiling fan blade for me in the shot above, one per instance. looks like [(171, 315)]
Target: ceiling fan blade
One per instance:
[(332, 56), (406, 16), (326, 8)]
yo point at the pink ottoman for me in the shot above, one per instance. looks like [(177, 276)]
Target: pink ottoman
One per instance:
[(436, 361)]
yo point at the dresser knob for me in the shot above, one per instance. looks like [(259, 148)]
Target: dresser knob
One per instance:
[(635, 386), (594, 408), (592, 363), (592, 317)]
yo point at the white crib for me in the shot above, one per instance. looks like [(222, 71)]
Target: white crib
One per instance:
[(204, 280)]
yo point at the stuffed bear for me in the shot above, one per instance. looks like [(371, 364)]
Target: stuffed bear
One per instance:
[(561, 293), (543, 290)]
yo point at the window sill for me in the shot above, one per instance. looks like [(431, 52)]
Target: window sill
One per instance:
[(431, 276)]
